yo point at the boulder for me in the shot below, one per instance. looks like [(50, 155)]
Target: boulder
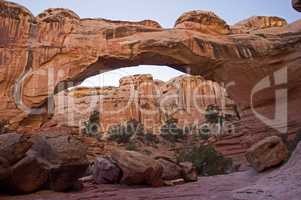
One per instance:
[(13, 147), (53, 160), (28, 175), (106, 171), (297, 5), (171, 170), (138, 169), (203, 21), (189, 172), (279, 184), (67, 155), (267, 153)]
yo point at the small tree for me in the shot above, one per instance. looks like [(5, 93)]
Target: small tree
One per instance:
[(3, 127), (212, 114), (204, 132), (92, 126), (151, 138), (207, 160), (291, 144), (171, 132), (122, 133)]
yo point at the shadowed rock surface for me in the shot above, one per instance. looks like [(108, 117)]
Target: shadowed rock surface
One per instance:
[(50, 159), (106, 171), (283, 183), (207, 188), (279, 184), (138, 169), (267, 153)]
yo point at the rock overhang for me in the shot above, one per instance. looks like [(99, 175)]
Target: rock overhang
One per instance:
[(74, 49)]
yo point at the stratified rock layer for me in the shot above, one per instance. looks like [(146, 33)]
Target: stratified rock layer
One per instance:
[(259, 22), (139, 97), (203, 22)]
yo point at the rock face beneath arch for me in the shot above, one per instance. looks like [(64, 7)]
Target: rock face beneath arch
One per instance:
[(148, 101), (297, 5), (40, 55)]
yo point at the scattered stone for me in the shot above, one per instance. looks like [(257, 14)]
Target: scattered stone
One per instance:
[(267, 153), (179, 181), (67, 155), (106, 171), (138, 169), (280, 184), (27, 175), (86, 179), (52, 159), (171, 170), (189, 172)]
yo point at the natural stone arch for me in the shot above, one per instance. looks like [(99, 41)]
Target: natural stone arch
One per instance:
[(58, 40)]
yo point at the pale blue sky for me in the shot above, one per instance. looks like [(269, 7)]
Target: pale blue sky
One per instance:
[(165, 12), (111, 78)]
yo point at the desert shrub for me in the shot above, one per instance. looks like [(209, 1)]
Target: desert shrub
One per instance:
[(206, 159), (131, 146), (212, 115), (135, 127), (92, 126), (151, 138), (204, 132), (170, 131), (122, 133), (3, 127), (291, 144)]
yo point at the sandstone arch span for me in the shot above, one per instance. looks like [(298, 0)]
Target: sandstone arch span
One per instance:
[(39, 53)]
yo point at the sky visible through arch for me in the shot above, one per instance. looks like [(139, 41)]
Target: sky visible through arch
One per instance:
[(165, 12)]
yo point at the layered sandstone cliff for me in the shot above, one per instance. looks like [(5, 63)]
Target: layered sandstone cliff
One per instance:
[(139, 97)]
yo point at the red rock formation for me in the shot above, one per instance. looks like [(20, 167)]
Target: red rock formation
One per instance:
[(297, 5), (39, 55), (258, 23), (203, 22), (141, 98)]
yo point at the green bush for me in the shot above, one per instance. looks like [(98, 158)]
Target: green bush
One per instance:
[(149, 137), (206, 159), (131, 147), (3, 127), (292, 144), (212, 115), (92, 126), (204, 132), (123, 133), (170, 131)]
